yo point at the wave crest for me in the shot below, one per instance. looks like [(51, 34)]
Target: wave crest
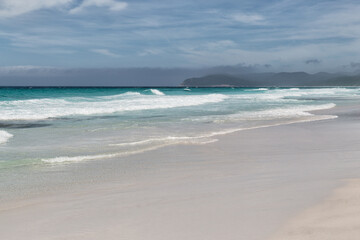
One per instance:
[(37, 109), (4, 136), (157, 92)]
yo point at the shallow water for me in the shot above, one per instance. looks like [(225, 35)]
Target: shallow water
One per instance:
[(42, 126)]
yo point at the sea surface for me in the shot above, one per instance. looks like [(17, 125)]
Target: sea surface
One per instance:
[(42, 127)]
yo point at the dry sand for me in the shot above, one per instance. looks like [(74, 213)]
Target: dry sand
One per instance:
[(336, 218), (248, 185)]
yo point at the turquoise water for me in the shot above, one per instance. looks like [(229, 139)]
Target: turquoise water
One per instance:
[(45, 126)]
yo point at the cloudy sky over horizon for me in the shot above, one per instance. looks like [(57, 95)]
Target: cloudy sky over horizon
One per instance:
[(281, 34)]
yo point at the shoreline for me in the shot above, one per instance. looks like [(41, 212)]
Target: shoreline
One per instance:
[(65, 162), (247, 184), (210, 136)]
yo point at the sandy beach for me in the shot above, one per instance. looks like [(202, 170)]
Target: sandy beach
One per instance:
[(179, 120), (338, 217), (284, 182)]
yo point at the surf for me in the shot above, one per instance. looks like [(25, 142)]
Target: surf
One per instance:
[(4, 136), (157, 92), (47, 108)]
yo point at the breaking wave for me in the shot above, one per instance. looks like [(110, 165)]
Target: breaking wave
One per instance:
[(157, 92), (4, 136), (37, 109)]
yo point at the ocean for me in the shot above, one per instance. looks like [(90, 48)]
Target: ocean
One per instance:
[(42, 127)]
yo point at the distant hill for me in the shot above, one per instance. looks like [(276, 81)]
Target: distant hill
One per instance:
[(216, 80), (282, 79), (350, 81)]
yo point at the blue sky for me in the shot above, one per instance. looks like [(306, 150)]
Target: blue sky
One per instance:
[(279, 34)]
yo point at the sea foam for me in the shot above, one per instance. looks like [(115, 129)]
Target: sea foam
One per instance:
[(284, 112), (157, 92), (171, 140), (4, 136), (186, 140), (37, 109), (292, 111)]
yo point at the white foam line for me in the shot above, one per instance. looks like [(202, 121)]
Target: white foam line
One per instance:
[(214, 134), (37, 109), (269, 114), (319, 118), (67, 159), (151, 140), (225, 132), (256, 89)]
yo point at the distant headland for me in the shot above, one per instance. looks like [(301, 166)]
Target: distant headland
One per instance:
[(282, 79)]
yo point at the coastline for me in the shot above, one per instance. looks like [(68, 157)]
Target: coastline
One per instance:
[(246, 185)]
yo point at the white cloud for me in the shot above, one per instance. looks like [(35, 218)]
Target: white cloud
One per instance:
[(105, 52), (147, 52), (290, 57), (111, 4), (220, 44), (11, 8), (22, 69), (248, 18)]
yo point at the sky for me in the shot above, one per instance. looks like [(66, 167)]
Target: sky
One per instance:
[(274, 35)]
